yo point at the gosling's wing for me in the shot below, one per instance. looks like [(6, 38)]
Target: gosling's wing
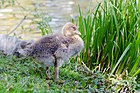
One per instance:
[(46, 46), (64, 50)]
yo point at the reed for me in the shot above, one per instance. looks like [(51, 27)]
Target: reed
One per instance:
[(111, 34)]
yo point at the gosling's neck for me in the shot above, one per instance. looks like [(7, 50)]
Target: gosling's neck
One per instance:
[(77, 42), (76, 46)]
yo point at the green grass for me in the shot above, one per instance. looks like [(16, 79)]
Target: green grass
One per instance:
[(24, 75), (111, 34)]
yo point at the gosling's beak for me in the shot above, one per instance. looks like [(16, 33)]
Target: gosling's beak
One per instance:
[(77, 32)]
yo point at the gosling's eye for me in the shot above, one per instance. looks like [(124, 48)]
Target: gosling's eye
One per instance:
[(73, 27)]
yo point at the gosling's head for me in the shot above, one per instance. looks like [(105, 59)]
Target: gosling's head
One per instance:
[(69, 29)]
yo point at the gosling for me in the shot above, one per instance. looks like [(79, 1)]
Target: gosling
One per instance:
[(56, 49), (11, 45)]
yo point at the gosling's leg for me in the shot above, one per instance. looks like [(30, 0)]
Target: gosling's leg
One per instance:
[(57, 64), (47, 73), (56, 73)]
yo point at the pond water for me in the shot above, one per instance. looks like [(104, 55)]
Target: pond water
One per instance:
[(61, 11)]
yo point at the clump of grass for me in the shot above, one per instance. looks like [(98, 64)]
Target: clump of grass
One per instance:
[(24, 75), (123, 85), (42, 19), (43, 24), (111, 35)]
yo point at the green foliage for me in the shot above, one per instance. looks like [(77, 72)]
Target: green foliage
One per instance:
[(112, 37), (43, 23), (5, 3), (24, 75), (123, 85)]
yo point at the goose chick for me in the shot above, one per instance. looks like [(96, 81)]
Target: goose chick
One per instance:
[(11, 45), (55, 50)]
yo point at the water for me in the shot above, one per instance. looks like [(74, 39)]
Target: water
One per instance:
[(60, 11)]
